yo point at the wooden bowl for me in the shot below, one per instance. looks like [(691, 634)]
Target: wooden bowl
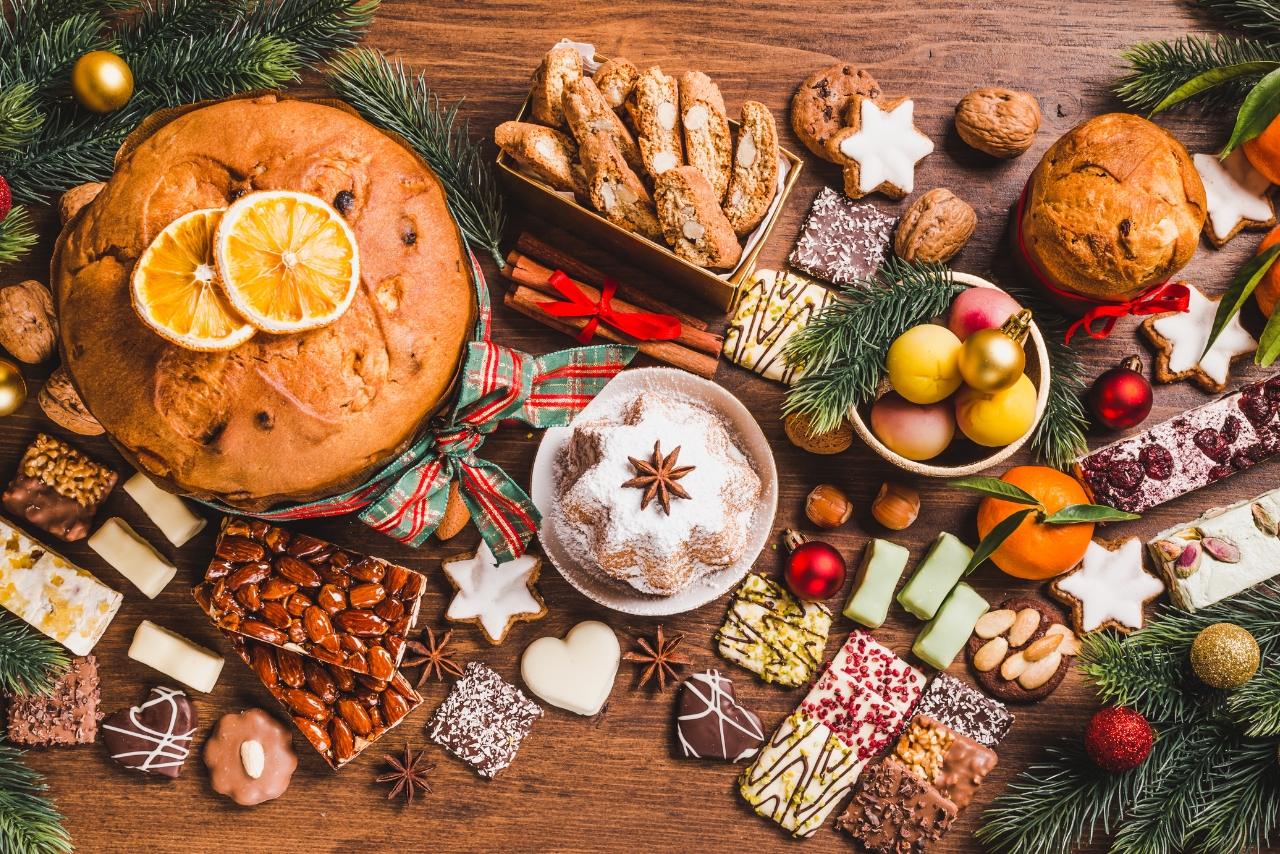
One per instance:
[(964, 457)]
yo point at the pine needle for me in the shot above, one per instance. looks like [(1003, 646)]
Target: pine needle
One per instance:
[(16, 235), (1156, 69), (1259, 18), (1257, 702), (29, 821), (385, 94), (842, 350), (30, 663)]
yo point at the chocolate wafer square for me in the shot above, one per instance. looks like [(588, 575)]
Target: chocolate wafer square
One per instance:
[(483, 720), (67, 715)]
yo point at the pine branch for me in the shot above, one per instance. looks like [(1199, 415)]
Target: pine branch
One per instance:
[(314, 27), (385, 94), (1258, 18), (16, 235), (1153, 682), (20, 116), (1245, 804), (842, 350), (1156, 69), (30, 663), (1257, 702), (29, 821)]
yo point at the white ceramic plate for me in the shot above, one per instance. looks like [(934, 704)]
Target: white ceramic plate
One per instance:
[(618, 595)]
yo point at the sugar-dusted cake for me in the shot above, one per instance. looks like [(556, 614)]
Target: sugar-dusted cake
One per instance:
[(295, 416), (613, 506)]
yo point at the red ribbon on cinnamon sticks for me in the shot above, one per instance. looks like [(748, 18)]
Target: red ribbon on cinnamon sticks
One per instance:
[(1161, 298), (640, 325)]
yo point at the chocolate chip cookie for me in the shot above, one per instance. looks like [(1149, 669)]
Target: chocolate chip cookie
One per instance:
[(817, 110)]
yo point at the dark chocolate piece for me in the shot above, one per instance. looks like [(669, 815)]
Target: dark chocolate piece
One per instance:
[(154, 737), (842, 241), (58, 489), (711, 724), (1008, 689), (954, 763), (966, 710), (483, 720), (895, 812), (67, 715)]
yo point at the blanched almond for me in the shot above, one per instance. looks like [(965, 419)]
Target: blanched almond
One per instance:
[(1014, 666), (1070, 643), (1024, 626), (994, 623), (1042, 647), (992, 653), (1040, 672)]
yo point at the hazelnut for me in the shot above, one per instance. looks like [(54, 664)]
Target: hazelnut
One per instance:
[(896, 506), (1000, 122), (934, 228), (827, 506)]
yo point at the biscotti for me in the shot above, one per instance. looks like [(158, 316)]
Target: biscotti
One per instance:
[(695, 227), (615, 190), (656, 115), (707, 144), (754, 179), (560, 66), (547, 152), (615, 80), (587, 112)]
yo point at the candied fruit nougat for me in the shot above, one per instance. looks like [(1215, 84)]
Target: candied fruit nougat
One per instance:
[(57, 488), (966, 710), (484, 720), (771, 633), (52, 594), (1224, 552), (1187, 452)]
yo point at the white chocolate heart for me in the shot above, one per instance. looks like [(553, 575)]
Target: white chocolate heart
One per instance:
[(575, 673)]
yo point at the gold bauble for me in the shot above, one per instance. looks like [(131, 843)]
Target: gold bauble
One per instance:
[(13, 390), (1224, 656), (991, 361), (101, 81)]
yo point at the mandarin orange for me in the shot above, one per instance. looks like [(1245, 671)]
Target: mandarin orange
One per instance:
[(1263, 151), (1036, 550), (1267, 293)]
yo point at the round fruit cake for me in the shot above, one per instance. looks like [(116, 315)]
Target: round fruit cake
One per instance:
[(279, 417)]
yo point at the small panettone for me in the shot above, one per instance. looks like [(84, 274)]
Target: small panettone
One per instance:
[(1114, 207)]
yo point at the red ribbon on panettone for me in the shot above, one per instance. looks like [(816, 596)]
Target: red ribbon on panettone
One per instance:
[(638, 324), (1159, 299)]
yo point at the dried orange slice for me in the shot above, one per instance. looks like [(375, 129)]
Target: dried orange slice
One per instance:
[(288, 261), (175, 287)]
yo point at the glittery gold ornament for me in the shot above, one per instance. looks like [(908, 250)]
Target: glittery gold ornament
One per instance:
[(101, 81), (13, 390), (991, 360), (1224, 656)]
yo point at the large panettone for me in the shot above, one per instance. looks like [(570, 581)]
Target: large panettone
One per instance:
[(1115, 207), (282, 416)]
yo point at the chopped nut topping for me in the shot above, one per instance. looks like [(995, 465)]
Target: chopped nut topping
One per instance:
[(69, 472)]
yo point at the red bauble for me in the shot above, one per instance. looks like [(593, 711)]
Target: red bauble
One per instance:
[(6, 198), (1118, 739), (1121, 397), (815, 570)]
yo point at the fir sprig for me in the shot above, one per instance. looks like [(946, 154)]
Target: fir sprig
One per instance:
[(386, 94), (30, 663), (1257, 703), (1156, 69), (1259, 18), (29, 821), (843, 348), (16, 235)]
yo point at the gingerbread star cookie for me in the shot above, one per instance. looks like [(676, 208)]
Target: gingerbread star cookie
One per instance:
[(1109, 588), (880, 147), (1180, 337), (495, 596), (1237, 196)]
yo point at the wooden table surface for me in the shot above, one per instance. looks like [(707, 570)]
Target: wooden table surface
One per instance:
[(615, 782)]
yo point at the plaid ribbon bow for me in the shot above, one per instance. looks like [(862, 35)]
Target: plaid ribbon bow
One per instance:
[(407, 498)]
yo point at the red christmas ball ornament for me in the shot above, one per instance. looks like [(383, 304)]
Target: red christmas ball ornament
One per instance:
[(815, 570), (1121, 397), (1118, 739), (6, 199)]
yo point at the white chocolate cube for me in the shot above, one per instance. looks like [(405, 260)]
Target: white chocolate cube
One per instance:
[(132, 556), (176, 657), (169, 512)]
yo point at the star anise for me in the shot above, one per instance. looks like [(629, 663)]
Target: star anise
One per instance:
[(432, 656), (408, 775), (658, 478), (660, 657)]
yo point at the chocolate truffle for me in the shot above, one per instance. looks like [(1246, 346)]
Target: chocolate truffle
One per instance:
[(154, 737), (711, 724)]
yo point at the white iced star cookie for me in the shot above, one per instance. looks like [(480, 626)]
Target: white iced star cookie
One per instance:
[(1180, 339), (880, 147), (1109, 588), (493, 595), (1237, 196)]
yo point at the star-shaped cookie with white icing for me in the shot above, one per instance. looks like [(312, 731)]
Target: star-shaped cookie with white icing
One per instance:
[(1180, 338), (1109, 588), (1237, 196), (494, 595), (880, 147)]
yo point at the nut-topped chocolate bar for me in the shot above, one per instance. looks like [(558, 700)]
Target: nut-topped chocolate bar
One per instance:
[(58, 489), (309, 596)]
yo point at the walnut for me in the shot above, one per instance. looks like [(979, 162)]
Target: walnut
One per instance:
[(28, 328), (1001, 122), (61, 402), (76, 198), (934, 228)]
